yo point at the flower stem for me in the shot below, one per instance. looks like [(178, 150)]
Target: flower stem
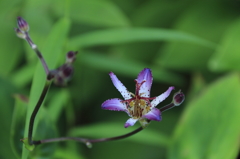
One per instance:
[(35, 111), (89, 141), (39, 54), (167, 107)]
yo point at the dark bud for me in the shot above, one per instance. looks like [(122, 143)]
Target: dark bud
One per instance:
[(22, 25), (63, 74), (71, 56), (67, 71), (178, 98)]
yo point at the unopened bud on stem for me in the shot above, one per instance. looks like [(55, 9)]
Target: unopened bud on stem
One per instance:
[(71, 56), (22, 25), (178, 98)]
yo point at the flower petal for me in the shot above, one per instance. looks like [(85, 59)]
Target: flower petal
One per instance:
[(120, 87), (145, 75), (114, 104), (130, 122), (154, 114), (161, 97)]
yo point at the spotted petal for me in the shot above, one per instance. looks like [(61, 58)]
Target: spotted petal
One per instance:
[(154, 114), (130, 122), (145, 75), (114, 104), (120, 87), (161, 97)]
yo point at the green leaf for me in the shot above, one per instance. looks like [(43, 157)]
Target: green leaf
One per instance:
[(68, 153), (10, 47), (18, 123), (104, 130), (210, 127), (127, 67), (57, 103), (158, 10), (93, 12), (208, 25), (6, 110), (23, 75), (118, 36), (45, 129), (51, 52), (227, 55)]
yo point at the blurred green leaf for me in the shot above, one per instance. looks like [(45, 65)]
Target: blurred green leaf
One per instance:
[(58, 101), (51, 52), (206, 20), (23, 75), (105, 130), (10, 46), (6, 110), (127, 67), (210, 125), (116, 36), (227, 55), (166, 12), (45, 129), (67, 153), (18, 123), (93, 12)]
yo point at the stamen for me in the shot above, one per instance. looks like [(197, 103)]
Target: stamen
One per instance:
[(138, 85)]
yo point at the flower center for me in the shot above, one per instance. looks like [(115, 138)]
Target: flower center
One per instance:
[(138, 107)]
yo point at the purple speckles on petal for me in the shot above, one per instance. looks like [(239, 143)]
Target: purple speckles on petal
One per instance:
[(161, 97), (154, 114), (120, 87), (145, 75), (130, 122), (114, 104)]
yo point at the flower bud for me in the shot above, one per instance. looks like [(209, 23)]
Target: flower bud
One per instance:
[(178, 98), (63, 74), (19, 33), (22, 24), (71, 56)]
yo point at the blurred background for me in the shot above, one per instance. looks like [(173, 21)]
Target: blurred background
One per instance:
[(192, 45)]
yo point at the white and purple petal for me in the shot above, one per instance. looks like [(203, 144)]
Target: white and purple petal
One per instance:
[(120, 87), (154, 114), (145, 75), (161, 97), (114, 104), (130, 122)]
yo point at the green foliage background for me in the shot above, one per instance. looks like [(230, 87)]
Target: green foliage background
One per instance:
[(192, 45)]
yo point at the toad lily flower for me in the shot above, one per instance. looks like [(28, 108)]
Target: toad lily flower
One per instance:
[(138, 106)]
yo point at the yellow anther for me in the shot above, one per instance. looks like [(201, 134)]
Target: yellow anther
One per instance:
[(142, 102), (132, 103)]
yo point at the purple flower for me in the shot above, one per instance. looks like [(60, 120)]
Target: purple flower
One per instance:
[(138, 106)]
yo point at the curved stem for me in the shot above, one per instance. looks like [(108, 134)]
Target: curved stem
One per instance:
[(39, 54), (85, 140), (35, 111), (89, 141)]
